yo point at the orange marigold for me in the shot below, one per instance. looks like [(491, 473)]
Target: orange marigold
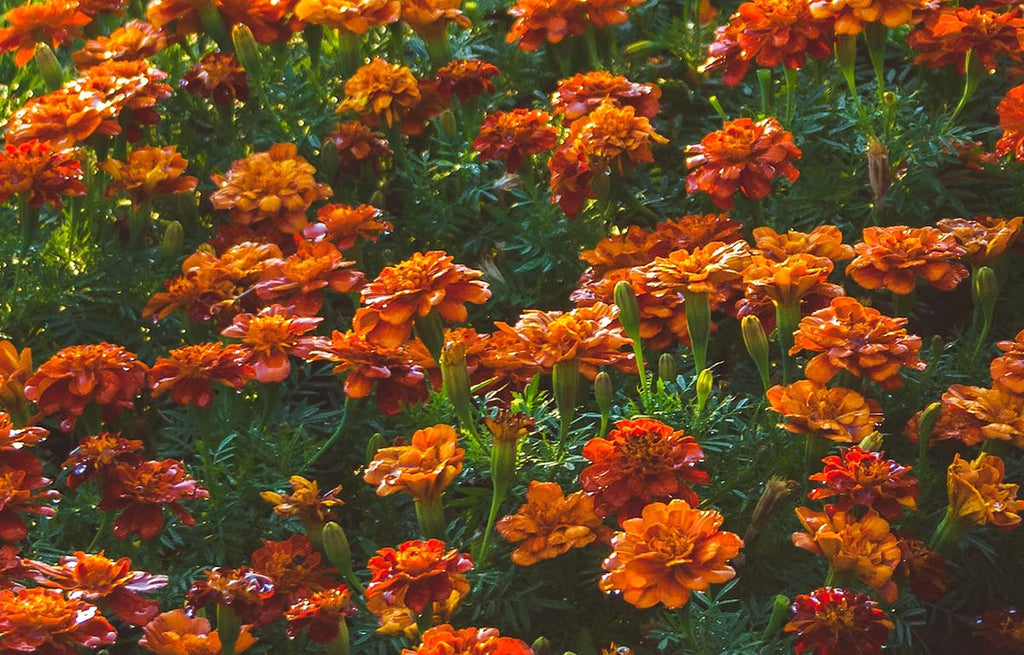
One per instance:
[(52, 21), (859, 339), (894, 257), (306, 501), (348, 225), (423, 469), (466, 79), (360, 149), (1007, 371), (298, 282), (218, 76), (381, 91), (47, 622), (999, 414), (789, 281), (667, 553), (537, 21), (136, 39), (851, 16), (175, 633), (149, 172), (296, 569), (430, 18), (511, 135), (243, 589), (551, 523), (140, 491), (582, 93), (446, 640), (948, 34), (570, 180), (39, 173), (705, 269), (20, 494), (862, 477), (270, 337), (354, 16), (271, 21), (822, 241), (865, 547), (662, 319), (1011, 121), (321, 612), (985, 238), (841, 415), (131, 87), (15, 370), (419, 573), (183, 15), (611, 134), (190, 371), (831, 621), (63, 118), (978, 495)]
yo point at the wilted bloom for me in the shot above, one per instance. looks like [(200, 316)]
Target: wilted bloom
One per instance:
[(466, 78), (136, 39), (39, 173), (838, 414), (582, 93), (149, 172), (175, 633), (822, 241), (831, 621), (1011, 121), (47, 622), (537, 21), (380, 91), (894, 257), (419, 573), (298, 281), (347, 225), (242, 589), (97, 579), (51, 21), (864, 478), (306, 501), (859, 339), (270, 337), (446, 640), (97, 455), (706, 269), (923, 568), (742, 156), (190, 371), (639, 462), (978, 495), (423, 469), (102, 373), (141, 491), (613, 136), (551, 523), (667, 553), (947, 35), (852, 15), (359, 147), (430, 18), (570, 180), (218, 76), (863, 547), (999, 414), (412, 289), (1002, 631), (353, 16), (985, 238), (511, 135), (322, 613), (1008, 370)]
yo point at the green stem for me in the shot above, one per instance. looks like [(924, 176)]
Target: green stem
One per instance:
[(846, 56), (28, 217), (565, 379), (698, 320), (972, 77), (641, 370), (876, 34), (430, 515), (791, 84), (787, 320), (108, 518), (349, 55), (947, 534), (815, 447), (902, 304), (351, 405)]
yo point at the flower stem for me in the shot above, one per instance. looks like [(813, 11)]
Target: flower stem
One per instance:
[(791, 84), (815, 447), (787, 320), (698, 320), (972, 77), (565, 378), (430, 515), (947, 534)]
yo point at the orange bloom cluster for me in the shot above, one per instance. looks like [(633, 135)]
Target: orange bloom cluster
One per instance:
[(851, 16), (709, 269), (590, 335), (149, 172), (1008, 370), (190, 371), (242, 589), (613, 134), (270, 337), (511, 135), (353, 16), (321, 613), (641, 461), (446, 640), (831, 621), (466, 79), (423, 469), (790, 282), (298, 281), (864, 478), (864, 547), (102, 373), (47, 622), (822, 241), (136, 39), (306, 501), (52, 21), (380, 91), (978, 495), (839, 414), (537, 21), (418, 574), (63, 117), (947, 35), (993, 413), (744, 155), (985, 238), (894, 257), (430, 18), (131, 89), (359, 149), (859, 339), (295, 569), (551, 523), (347, 225), (667, 553), (1011, 121), (141, 491), (218, 76), (40, 173), (582, 93), (768, 33), (276, 186), (412, 289), (175, 633)]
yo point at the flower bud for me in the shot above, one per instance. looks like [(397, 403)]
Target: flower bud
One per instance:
[(705, 380), (448, 124), (667, 367), (780, 612), (603, 392), (174, 239), (879, 171), (375, 443), (629, 309), (541, 646), (246, 50), (455, 378), (985, 290), (229, 626), (776, 491), (565, 379), (49, 67), (756, 342), (213, 23), (926, 423), (337, 549), (872, 442), (330, 160), (430, 330), (936, 345)]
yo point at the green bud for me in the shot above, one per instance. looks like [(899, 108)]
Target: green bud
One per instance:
[(246, 50), (430, 330), (174, 239), (872, 442), (985, 289), (705, 380), (49, 67), (565, 380), (375, 443), (455, 379), (378, 199), (756, 342), (890, 98), (603, 392), (330, 159), (926, 424), (667, 367), (213, 23), (780, 612), (629, 309), (936, 345), (337, 549), (448, 123), (541, 646)]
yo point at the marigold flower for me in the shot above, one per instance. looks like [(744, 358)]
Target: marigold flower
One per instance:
[(412, 289), (743, 156), (96, 7), (419, 572), (381, 91), (705, 269), (1011, 121), (242, 589), (102, 373), (466, 79), (270, 337), (511, 135), (839, 414), (18, 489), (551, 523), (134, 40), (190, 371), (582, 93), (51, 21), (47, 622), (15, 370), (789, 281), (98, 454), (218, 76), (948, 34), (175, 633), (923, 568), (430, 18), (978, 495), (127, 85), (667, 553), (271, 21), (62, 118), (298, 281), (140, 491), (985, 238), (865, 547), (322, 613), (295, 568), (537, 21), (639, 462), (149, 172), (858, 339), (353, 16), (423, 469), (852, 15), (359, 147), (182, 14), (95, 578), (613, 134), (1002, 631), (861, 477), (570, 180), (831, 621), (40, 173), (12, 568), (1007, 371), (822, 241), (306, 501), (347, 225), (894, 257), (998, 413), (14, 439), (446, 640)]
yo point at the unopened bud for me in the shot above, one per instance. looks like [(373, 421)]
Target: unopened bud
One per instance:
[(541, 646), (430, 330), (872, 442), (776, 491), (937, 344), (455, 378), (629, 309), (213, 23), (174, 239), (756, 342), (926, 423), (667, 367), (985, 288), (448, 123), (879, 171), (603, 392), (705, 380), (337, 548), (246, 50), (49, 67), (780, 612)]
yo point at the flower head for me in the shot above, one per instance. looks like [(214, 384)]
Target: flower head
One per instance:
[(838, 414), (218, 76), (15, 370), (789, 281), (704, 269), (923, 568), (136, 39), (511, 135), (613, 135), (864, 478), (851, 16), (978, 495), (997, 413), (380, 91), (551, 523), (98, 454), (419, 572), (347, 225), (271, 21), (190, 371), (149, 172), (423, 469), (20, 494), (295, 568), (537, 21), (243, 589), (175, 633), (39, 173), (822, 241), (47, 622), (270, 337), (298, 281), (947, 35), (466, 79), (446, 640), (141, 491), (321, 613), (431, 18), (1008, 370), (62, 118), (894, 257), (582, 93), (985, 238), (570, 180), (51, 21), (306, 501), (831, 621), (1011, 121), (359, 148), (353, 16), (131, 88)]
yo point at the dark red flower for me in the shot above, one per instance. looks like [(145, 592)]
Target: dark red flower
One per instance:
[(141, 491), (864, 478), (831, 621)]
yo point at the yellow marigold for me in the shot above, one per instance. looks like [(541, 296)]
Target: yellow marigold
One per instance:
[(978, 495), (822, 241), (852, 15), (839, 414), (865, 548), (355, 16), (276, 185), (423, 469), (614, 134), (149, 172), (985, 238), (705, 269), (136, 39), (306, 501), (894, 257), (667, 553), (431, 18), (381, 91), (53, 21)]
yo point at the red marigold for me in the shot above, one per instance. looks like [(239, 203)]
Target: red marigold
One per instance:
[(46, 622), (102, 373), (18, 494), (947, 35), (446, 640), (537, 21), (641, 461), (570, 180), (380, 91), (322, 613), (923, 568), (39, 173), (353, 16), (359, 148), (218, 76), (422, 469), (175, 633), (831, 621), (1011, 121), (270, 337), (242, 589), (53, 21), (582, 93), (190, 371), (134, 40), (97, 454), (466, 79), (346, 225), (822, 241), (743, 156), (295, 568), (864, 478), (298, 282), (511, 135), (419, 572), (839, 414), (149, 172), (894, 257), (985, 238), (140, 491), (182, 14)]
